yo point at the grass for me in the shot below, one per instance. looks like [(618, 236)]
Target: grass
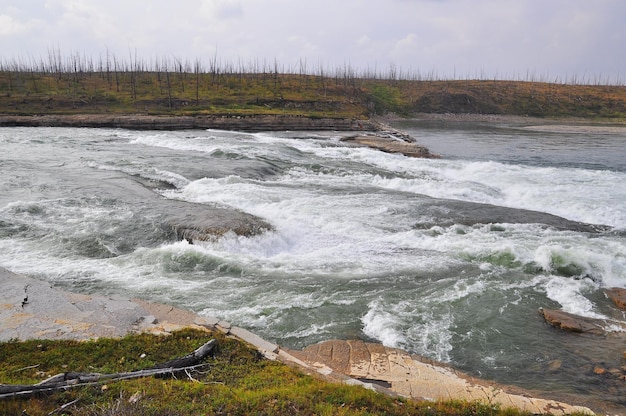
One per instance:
[(237, 381), (183, 94), (168, 92)]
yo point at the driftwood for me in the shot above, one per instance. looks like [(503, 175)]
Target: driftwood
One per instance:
[(73, 379)]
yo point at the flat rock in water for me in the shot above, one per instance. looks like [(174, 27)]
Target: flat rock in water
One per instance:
[(574, 323), (390, 145)]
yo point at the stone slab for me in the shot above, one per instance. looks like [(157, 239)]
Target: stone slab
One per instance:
[(418, 379), (253, 339)]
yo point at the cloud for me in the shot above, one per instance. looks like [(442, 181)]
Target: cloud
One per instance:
[(462, 37), (10, 26)]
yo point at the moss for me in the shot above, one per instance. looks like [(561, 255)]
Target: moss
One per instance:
[(236, 380)]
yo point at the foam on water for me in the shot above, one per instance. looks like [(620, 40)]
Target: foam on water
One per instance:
[(315, 230), (382, 325), (144, 171), (353, 252), (336, 234), (598, 192), (569, 294), (543, 189), (200, 144)]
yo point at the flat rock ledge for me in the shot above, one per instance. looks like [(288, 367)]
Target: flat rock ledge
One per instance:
[(33, 309), (417, 378), (580, 324), (392, 145), (222, 122)]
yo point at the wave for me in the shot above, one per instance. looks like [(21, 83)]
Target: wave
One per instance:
[(161, 177)]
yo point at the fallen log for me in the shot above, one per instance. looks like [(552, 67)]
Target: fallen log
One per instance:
[(71, 379), (190, 359)]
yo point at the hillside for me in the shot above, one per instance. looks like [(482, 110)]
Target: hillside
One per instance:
[(178, 93)]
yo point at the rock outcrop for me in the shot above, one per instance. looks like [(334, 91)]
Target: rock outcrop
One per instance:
[(147, 122), (391, 145), (31, 309), (417, 378)]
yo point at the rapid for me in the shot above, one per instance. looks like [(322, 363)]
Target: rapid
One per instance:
[(447, 258)]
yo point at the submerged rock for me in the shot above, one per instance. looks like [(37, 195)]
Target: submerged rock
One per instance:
[(447, 212), (191, 221)]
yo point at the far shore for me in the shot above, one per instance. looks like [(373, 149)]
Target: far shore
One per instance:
[(539, 123), (255, 123), (164, 122)]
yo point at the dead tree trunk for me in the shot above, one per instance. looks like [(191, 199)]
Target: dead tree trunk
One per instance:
[(72, 379)]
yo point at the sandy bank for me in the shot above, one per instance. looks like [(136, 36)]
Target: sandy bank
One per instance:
[(561, 125), (33, 309)]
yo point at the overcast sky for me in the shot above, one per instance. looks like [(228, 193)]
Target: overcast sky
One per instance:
[(450, 38)]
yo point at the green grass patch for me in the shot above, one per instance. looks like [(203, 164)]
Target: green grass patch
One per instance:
[(236, 381)]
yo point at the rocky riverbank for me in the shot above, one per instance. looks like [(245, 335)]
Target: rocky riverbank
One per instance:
[(148, 122), (33, 309)]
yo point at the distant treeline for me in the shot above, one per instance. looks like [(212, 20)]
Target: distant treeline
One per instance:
[(57, 62), (78, 83)]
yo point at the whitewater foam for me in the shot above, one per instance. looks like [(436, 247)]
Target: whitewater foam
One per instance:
[(356, 249)]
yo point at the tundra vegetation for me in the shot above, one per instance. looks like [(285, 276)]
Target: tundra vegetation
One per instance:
[(170, 86), (235, 380)]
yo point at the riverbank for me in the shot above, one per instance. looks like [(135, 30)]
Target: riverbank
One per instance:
[(33, 309), (264, 122), (249, 123), (261, 122), (374, 133), (557, 124)]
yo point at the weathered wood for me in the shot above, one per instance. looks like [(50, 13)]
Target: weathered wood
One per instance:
[(73, 379), (190, 359)]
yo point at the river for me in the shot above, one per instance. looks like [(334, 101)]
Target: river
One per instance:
[(448, 258)]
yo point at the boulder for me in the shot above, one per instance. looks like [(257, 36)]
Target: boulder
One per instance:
[(618, 296), (200, 222), (573, 323)]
